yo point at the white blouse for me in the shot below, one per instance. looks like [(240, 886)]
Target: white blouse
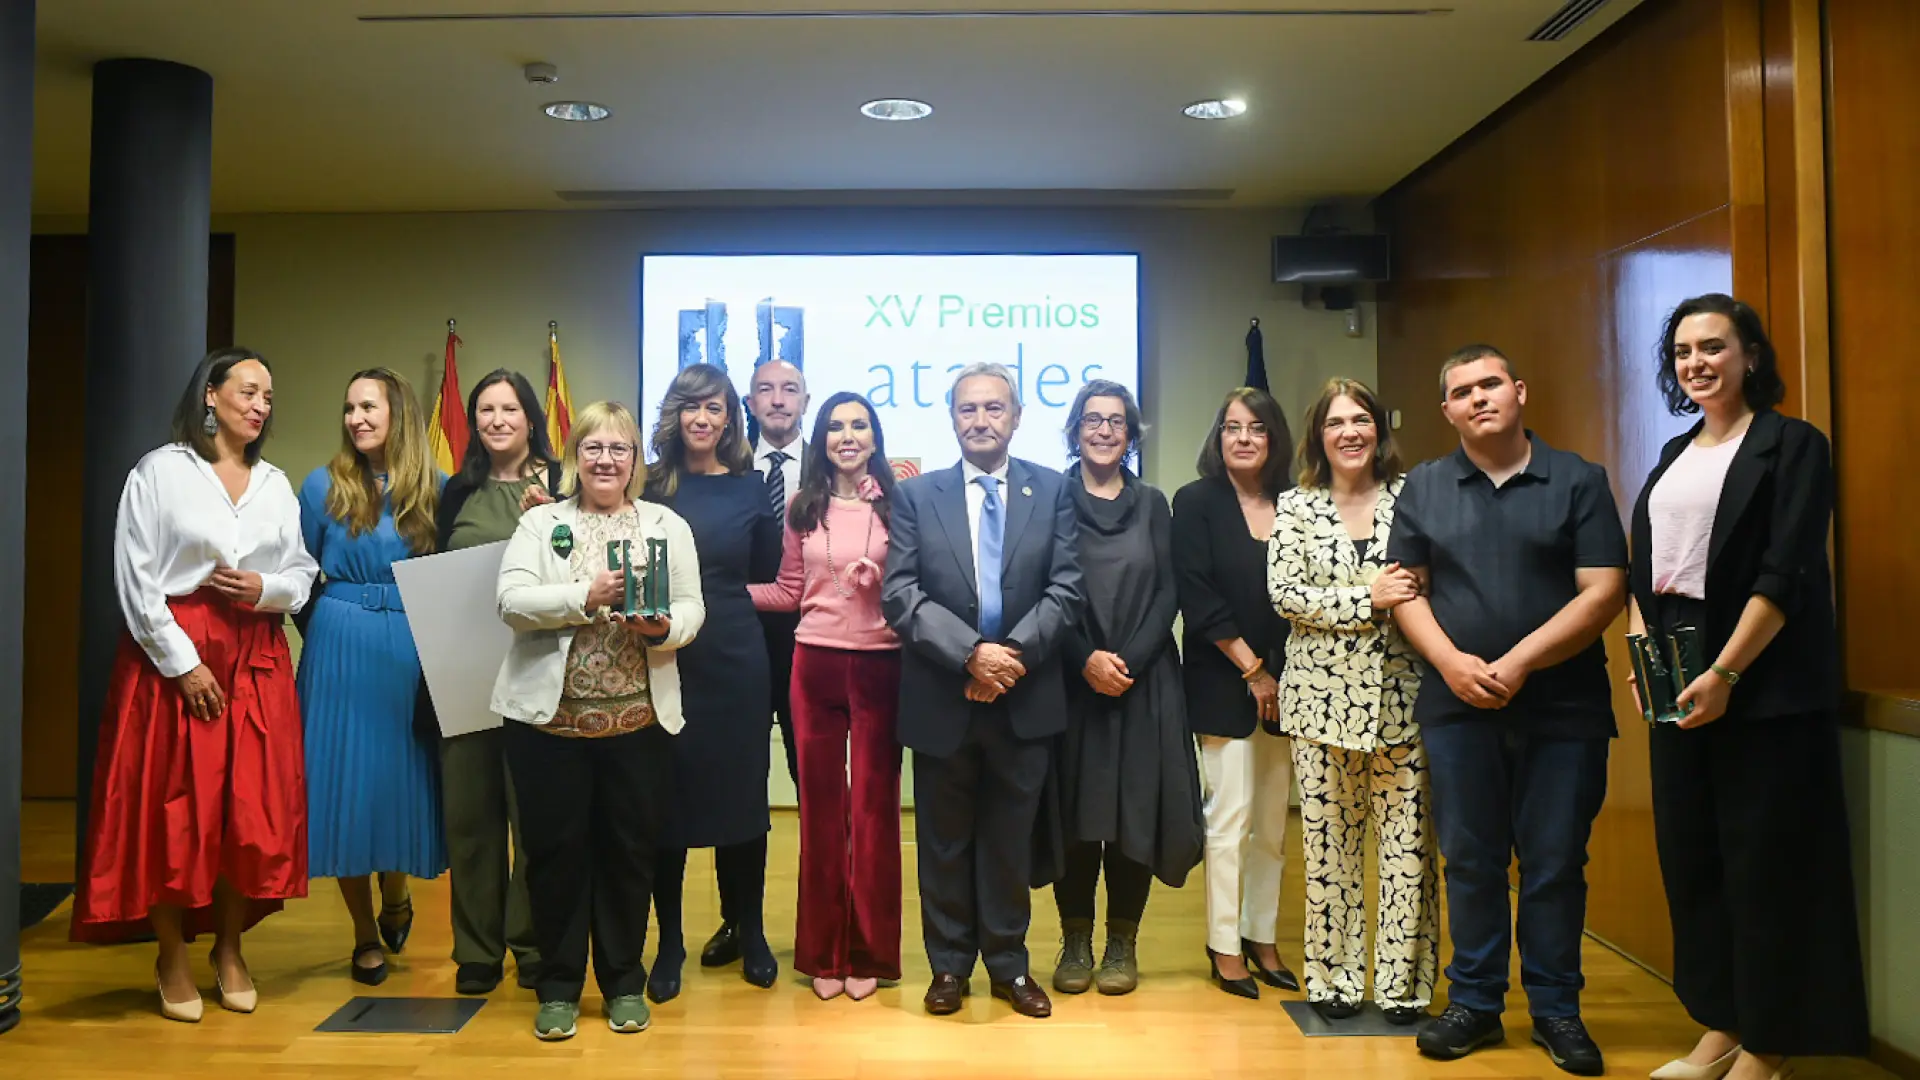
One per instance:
[(177, 525), (1680, 510)]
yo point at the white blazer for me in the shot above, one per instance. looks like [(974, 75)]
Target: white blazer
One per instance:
[(545, 601)]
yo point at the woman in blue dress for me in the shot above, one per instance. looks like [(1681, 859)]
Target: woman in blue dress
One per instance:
[(373, 798), (703, 471)]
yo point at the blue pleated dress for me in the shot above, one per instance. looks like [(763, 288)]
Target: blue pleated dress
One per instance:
[(372, 790)]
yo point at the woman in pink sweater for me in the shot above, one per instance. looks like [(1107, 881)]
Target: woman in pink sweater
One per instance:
[(846, 687)]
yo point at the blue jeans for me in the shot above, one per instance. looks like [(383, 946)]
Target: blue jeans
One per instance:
[(1498, 791)]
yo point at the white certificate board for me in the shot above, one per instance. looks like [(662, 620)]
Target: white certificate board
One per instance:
[(457, 629)]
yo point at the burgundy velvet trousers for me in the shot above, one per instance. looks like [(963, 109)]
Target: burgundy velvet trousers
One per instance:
[(844, 706)]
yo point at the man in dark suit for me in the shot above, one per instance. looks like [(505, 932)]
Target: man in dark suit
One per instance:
[(982, 583)]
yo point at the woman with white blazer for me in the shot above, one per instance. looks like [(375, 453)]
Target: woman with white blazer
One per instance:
[(1347, 702), (594, 696)]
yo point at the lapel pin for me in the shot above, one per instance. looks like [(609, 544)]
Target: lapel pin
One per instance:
[(1027, 491), (562, 541)]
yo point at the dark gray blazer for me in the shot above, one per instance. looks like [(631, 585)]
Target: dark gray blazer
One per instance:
[(929, 598)]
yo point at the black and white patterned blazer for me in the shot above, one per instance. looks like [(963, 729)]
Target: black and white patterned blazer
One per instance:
[(1351, 678)]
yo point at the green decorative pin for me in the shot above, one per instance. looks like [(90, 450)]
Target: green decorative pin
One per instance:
[(563, 541)]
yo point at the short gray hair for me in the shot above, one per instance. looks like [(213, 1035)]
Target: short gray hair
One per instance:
[(992, 370)]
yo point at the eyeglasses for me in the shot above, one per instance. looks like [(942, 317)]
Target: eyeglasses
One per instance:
[(1255, 430), (1093, 422), (618, 451)]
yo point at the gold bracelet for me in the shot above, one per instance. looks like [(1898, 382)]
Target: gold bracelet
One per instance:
[(1253, 672)]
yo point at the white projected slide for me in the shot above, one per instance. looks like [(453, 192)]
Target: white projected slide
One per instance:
[(896, 328)]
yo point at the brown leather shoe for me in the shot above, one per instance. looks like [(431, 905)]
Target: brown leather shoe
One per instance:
[(947, 994), (1025, 996)]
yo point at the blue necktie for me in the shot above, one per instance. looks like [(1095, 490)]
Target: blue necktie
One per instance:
[(993, 527)]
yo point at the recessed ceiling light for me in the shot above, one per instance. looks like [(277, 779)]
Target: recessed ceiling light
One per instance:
[(896, 109), (1217, 109), (577, 110)]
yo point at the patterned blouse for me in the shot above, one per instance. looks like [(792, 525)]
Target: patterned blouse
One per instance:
[(1351, 678), (605, 689)]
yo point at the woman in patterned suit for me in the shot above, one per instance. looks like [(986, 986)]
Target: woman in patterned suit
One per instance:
[(1347, 701)]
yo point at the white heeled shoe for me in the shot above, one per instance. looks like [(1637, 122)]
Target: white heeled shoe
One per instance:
[(240, 1001), (1682, 1069), (187, 1012)]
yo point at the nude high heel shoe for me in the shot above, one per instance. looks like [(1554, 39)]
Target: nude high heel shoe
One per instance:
[(1681, 1069), (187, 1012), (240, 1001)]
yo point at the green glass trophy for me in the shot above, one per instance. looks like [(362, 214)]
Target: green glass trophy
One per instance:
[(647, 592), (1665, 667)]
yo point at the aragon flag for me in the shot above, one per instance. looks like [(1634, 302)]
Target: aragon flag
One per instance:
[(559, 403)]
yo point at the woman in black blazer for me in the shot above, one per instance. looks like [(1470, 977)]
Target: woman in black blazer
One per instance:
[(1730, 537), (1233, 645)]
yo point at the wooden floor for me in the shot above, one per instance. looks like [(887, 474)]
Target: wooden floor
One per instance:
[(90, 1011)]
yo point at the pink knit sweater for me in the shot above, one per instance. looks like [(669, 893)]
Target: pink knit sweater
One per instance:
[(829, 617)]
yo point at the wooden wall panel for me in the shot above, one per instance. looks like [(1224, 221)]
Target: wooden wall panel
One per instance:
[(1613, 201), (1874, 173), (56, 359)]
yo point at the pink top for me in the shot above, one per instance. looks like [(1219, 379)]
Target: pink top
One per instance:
[(1680, 510), (834, 615)]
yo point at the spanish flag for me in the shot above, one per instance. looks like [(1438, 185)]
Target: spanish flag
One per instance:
[(447, 431), (559, 404)]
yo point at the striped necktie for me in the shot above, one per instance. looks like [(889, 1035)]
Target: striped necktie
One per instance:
[(777, 483)]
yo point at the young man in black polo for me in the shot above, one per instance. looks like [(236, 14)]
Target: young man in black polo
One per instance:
[(1523, 565)]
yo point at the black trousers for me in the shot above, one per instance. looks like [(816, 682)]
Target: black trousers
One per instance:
[(1750, 816), (592, 809), (973, 822), (778, 627), (1128, 883)]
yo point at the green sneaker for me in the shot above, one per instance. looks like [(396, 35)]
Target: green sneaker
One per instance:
[(555, 1020), (628, 1013)]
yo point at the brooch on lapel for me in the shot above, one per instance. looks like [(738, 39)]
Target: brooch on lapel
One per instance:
[(1027, 491), (562, 541)]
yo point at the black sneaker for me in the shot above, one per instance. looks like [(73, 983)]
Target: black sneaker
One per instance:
[(476, 978), (1458, 1032), (1566, 1041)]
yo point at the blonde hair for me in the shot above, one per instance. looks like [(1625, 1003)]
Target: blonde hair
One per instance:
[(696, 383), (599, 417), (413, 486)]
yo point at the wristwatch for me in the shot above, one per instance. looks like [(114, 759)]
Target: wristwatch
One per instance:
[(1731, 676)]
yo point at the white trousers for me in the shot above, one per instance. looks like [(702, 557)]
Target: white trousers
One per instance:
[(1249, 783)]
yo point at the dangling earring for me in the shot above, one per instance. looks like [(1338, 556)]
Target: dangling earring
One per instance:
[(210, 425)]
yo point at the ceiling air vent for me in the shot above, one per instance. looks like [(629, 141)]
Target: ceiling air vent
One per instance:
[(1566, 20)]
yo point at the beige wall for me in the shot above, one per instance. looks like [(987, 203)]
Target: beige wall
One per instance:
[(1883, 790), (324, 295)]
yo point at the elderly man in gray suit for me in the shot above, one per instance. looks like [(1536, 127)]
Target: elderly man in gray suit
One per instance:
[(982, 583)]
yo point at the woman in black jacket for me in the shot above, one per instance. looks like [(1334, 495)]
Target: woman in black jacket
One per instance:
[(1730, 539), (1233, 649), (508, 451)]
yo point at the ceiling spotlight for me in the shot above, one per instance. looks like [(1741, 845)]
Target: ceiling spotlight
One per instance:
[(896, 109), (577, 110), (1217, 109)]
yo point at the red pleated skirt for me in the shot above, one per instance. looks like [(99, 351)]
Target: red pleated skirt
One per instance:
[(180, 803)]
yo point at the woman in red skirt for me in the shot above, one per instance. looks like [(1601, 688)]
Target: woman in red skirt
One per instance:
[(198, 813)]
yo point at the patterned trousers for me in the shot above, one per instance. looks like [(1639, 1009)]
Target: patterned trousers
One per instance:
[(1341, 792)]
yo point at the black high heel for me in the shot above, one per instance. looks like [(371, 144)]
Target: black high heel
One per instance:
[(1245, 988), (395, 936), (367, 976), (663, 982), (1277, 977)]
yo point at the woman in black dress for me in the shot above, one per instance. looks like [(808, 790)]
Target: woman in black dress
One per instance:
[(1233, 650), (1130, 788), (703, 471)]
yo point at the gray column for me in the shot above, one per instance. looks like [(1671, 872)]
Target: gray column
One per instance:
[(16, 230), (147, 235)]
